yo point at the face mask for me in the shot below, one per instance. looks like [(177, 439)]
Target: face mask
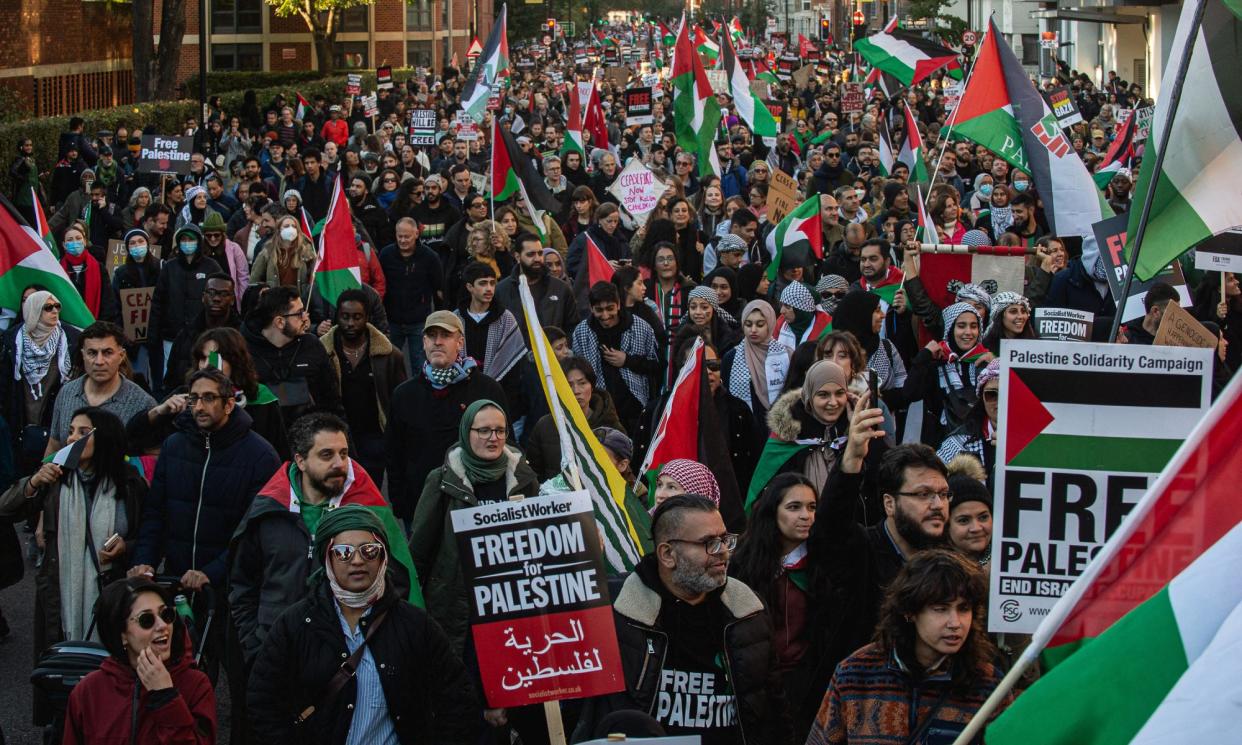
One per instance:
[(986, 190), (189, 248), (288, 233), (138, 253), (1020, 186), (75, 248)]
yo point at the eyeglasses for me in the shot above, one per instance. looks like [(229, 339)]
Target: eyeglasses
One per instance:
[(207, 399), (390, 181), (490, 433), (296, 314), (146, 619), (928, 496), (832, 155), (50, 307), (713, 545), (344, 552), (990, 394), (666, 259), (713, 365)]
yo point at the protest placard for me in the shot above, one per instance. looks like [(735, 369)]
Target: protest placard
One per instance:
[(1085, 428), (782, 195), (423, 123), (136, 312), (617, 75), (370, 105), (761, 88), (953, 94), (1063, 324), (1110, 235), (718, 81), (852, 99), (1220, 253), (117, 255), (638, 106), (1180, 329), (467, 129), (802, 76), (637, 189), (383, 78), (1142, 125), (1062, 104), (540, 614), (165, 155), (353, 84)]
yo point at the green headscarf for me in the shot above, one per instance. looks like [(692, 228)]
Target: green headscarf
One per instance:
[(479, 471), (343, 518)]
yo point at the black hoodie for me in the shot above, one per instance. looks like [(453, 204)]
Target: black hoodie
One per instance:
[(298, 373)]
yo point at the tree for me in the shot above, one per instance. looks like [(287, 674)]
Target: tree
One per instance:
[(323, 20), (155, 71)]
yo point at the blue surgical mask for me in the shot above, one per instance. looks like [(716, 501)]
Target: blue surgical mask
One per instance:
[(75, 248), (189, 248), (1021, 185), (985, 190), (139, 252)]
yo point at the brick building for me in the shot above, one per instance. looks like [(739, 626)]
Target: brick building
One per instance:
[(64, 56)]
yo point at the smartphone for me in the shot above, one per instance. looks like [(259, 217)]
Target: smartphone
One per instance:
[(112, 539), (873, 385)]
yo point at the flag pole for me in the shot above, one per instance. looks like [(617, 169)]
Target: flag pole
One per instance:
[(1175, 96), (953, 116)]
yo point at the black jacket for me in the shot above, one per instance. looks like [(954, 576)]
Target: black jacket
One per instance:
[(178, 363), (298, 373), (203, 485), (422, 425), (748, 656), (426, 689), (413, 283), (178, 295), (554, 301), (12, 396)]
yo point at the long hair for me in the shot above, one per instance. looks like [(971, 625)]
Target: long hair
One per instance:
[(109, 458), (233, 349), (937, 576), (757, 561), (113, 609)]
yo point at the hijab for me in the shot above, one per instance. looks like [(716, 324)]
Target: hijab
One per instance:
[(734, 305), (854, 313), (478, 470), (798, 297), (757, 354), (821, 374), (37, 332), (340, 520), (748, 278), (39, 344)]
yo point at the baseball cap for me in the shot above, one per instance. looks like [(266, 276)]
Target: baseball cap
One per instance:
[(444, 319)]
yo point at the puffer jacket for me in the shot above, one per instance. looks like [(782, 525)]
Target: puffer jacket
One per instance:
[(433, 544), (543, 450)]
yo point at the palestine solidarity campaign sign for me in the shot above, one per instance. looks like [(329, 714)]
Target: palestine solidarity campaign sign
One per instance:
[(539, 607), (1084, 430)]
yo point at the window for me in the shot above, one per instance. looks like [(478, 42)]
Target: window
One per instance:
[(351, 55), (357, 18), (418, 15), (444, 9), (418, 54), (1030, 49), (236, 16), (237, 57)]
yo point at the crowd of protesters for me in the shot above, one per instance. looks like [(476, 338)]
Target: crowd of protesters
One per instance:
[(247, 442)]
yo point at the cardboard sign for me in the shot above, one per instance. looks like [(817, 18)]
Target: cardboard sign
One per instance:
[(118, 255), (353, 84), (540, 614), (802, 76), (1221, 253), (1077, 450), (782, 195), (618, 76), (1180, 329), (165, 155), (383, 78), (1062, 104), (1063, 324), (637, 189), (423, 123), (1142, 125), (466, 127), (638, 106), (1110, 235), (136, 312), (718, 80), (852, 98)]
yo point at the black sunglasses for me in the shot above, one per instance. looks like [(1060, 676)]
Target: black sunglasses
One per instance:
[(713, 365), (146, 619)]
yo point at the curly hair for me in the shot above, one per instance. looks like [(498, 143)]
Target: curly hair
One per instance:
[(937, 576)]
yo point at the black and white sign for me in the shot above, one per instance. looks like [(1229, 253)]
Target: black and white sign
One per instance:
[(423, 124), (165, 155), (638, 106), (1221, 253), (1063, 324)]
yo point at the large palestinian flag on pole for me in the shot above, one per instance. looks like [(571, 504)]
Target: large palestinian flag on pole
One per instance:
[(912, 150), (695, 110), (573, 128), (749, 106), (337, 269), (26, 260), (1197, 188), (1145, 647), (801, 231), (491, 65), (906, 56), (1119, 154), (513, 175)]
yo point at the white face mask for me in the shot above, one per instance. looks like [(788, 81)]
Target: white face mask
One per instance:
[(288, 233)]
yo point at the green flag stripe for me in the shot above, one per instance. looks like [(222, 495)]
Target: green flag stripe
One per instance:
[(776, 453), (511, 186), (1144, 649), (332, 284), (612, 519), (1124, 454), (20, 276), (400, 551), (998, 131)]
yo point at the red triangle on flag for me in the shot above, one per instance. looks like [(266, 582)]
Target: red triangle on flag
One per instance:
[(598, 268), (1026, 417)]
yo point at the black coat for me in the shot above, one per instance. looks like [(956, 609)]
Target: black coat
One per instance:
[(426, 689), (298, 373), (178, 295)]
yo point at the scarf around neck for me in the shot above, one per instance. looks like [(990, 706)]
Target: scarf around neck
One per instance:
[(478, 470), (90, 278), (442, 377)]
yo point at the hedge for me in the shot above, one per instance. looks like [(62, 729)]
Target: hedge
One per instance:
[(220, 83)]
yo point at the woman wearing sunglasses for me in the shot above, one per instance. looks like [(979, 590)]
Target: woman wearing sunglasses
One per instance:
[(147, 690), (408, 686), (95, 504), (976, 435)]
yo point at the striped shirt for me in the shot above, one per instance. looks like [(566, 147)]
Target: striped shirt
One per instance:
[(371, 724)]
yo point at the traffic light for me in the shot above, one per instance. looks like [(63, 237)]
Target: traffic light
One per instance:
[(825, 29), (549, 27)]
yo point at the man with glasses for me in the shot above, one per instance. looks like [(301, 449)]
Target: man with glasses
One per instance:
[(832, 174), (287, 359), (219, 309), (696, 645)]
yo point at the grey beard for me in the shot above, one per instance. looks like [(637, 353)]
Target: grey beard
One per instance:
[(693, 582)]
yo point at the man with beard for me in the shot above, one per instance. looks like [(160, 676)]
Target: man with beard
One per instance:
[(434, 213), (696, 645), (219, 309), (373, 218), (287, 359), (832, 173), (783, 157), (554, 298)]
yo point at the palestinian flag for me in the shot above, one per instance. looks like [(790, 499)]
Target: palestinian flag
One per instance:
[(304, 224), (1145, 647), (667, 37), (337, 269), (801, 230), (886, 288), (25, 260), (1196, 191), (926, 231), (572, 142), (304, 108), (1001, 110), (705, 46), (735, 30), (688, 428), (514, 175), (70, 455), (593, 120), (912, 150), (695, 110), (41, 227), (757, 70), (776, 453), (504, 173), (581, 451), (750, 108), (906, 56), (1119, 154), (491, 65), (820, 325)]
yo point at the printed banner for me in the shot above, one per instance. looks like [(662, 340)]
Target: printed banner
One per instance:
[(423, 123), (1084, 430), (539, 606), (1063, 324), (165, 155), (1062, 104), (1110, 235), (1221, 253), (638, 106), (383, 78), (353, 84)]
